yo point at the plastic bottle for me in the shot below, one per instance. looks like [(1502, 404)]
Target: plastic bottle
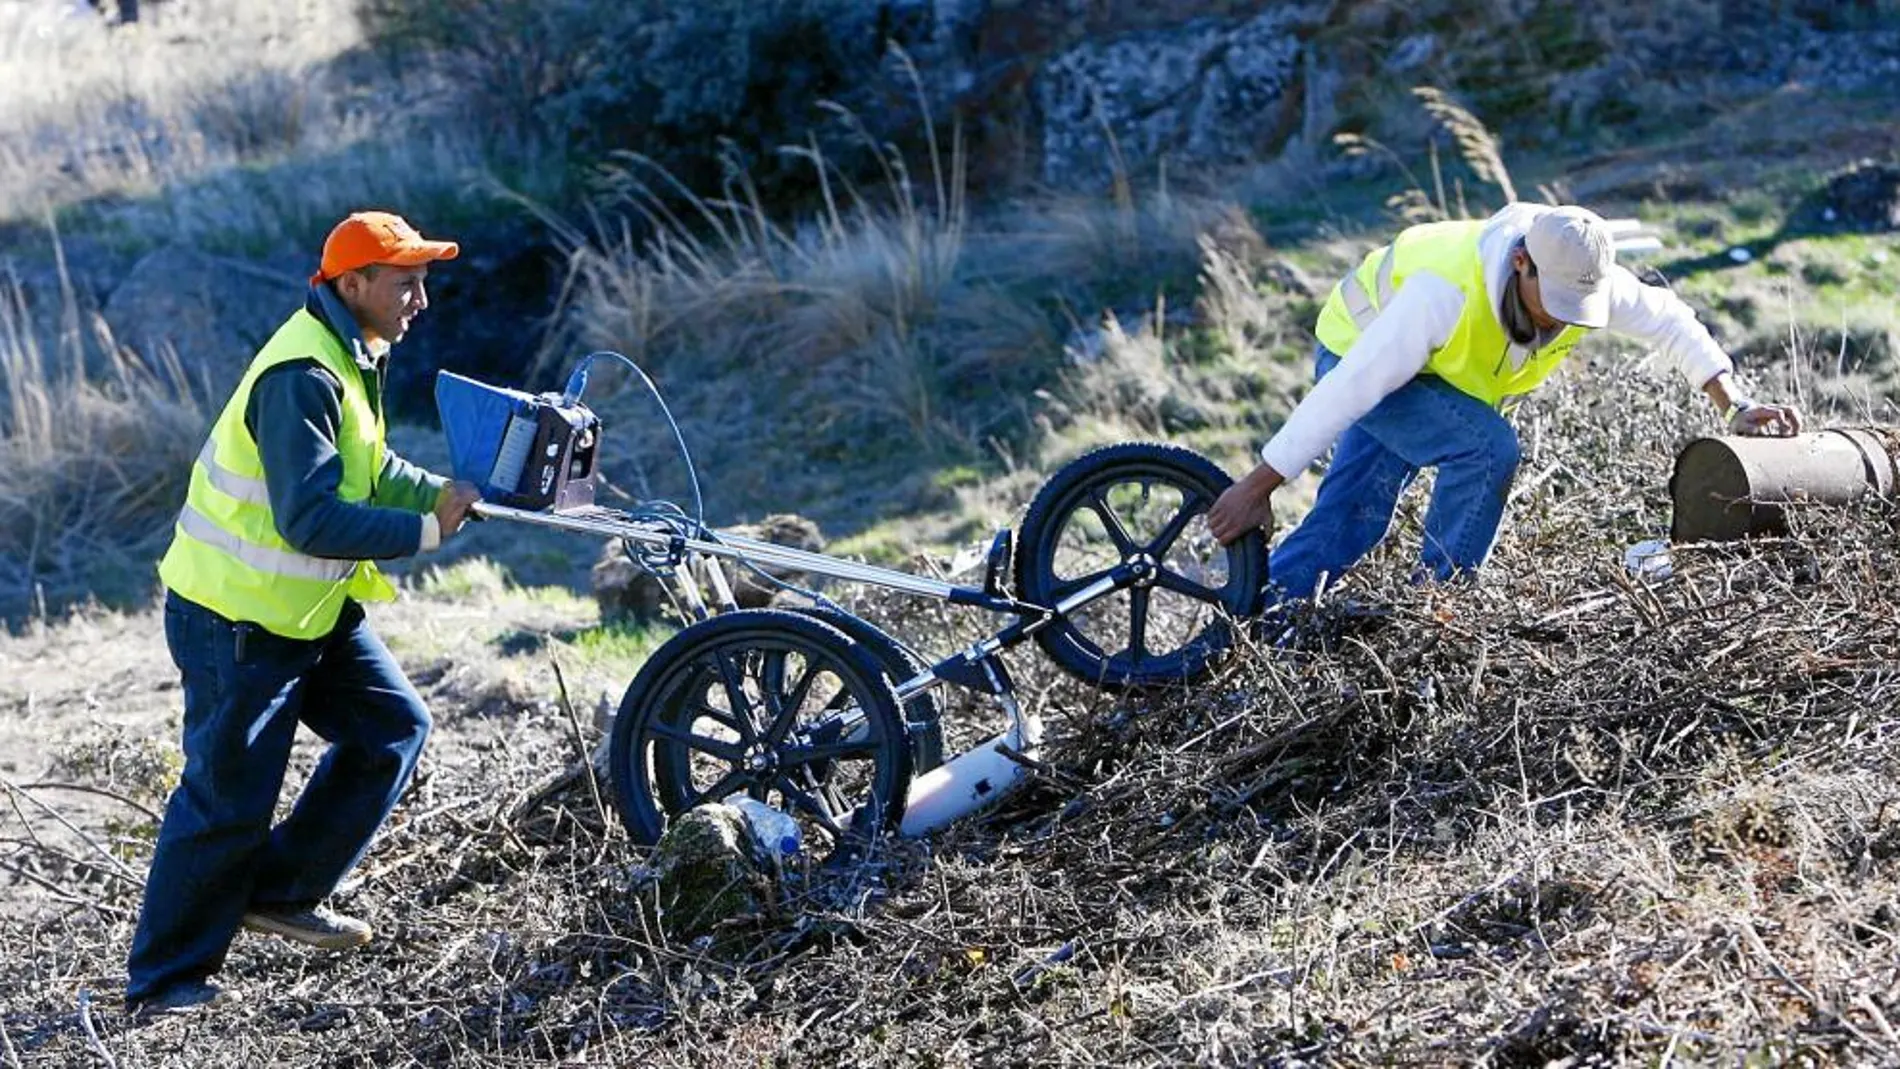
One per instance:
[(776, 833)]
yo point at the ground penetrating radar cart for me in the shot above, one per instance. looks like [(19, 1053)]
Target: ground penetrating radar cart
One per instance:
[(817, 711)]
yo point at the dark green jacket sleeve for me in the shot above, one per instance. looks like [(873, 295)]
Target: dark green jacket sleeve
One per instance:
[(294, 414), (406, 486)]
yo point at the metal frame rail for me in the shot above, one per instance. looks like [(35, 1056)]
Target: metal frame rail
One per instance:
[(955, 789)]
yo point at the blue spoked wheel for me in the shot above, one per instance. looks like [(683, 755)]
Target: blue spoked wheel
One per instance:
[(776, 705), (923, 711), (1143, 501)]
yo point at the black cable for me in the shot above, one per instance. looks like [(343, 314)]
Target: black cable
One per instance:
[(665, 513), (577, 382)]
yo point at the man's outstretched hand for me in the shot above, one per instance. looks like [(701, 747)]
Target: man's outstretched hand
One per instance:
[(451, 505), (1747, 416), (1245, 506), (1766, 421)]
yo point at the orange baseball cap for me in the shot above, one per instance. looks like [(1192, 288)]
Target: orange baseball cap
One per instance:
[(378, 238)]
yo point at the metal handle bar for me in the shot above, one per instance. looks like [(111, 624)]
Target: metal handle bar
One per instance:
[(605, 523)]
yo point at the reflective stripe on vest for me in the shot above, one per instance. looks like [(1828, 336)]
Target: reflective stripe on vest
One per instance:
[(1353, 291), (1476, 355), (263, 558), (227, 553), (228, 482)]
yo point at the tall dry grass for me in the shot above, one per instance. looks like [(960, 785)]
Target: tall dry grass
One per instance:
[(891, 322), (1477, 146), (850, 292), (240, 126), (96, 444)]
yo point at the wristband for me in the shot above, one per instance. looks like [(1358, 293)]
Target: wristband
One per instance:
[(1737, 406)]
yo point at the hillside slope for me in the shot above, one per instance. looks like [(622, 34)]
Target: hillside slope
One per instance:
[(1563, 814), (1568, 815)]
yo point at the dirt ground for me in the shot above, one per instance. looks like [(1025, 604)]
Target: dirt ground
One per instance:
[(92, 701), (66, 688)]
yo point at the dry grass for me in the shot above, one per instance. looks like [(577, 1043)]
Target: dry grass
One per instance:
[(712, 290), (1476, 143), (848, 297), (239, 126), (1561, 814), (95, 448), (1219, 373), (1477, 146), (891, 321)]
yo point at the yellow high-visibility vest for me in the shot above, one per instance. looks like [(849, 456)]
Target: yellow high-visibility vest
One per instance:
[(1476, 357), (226, 553)]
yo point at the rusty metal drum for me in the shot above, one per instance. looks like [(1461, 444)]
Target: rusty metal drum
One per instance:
[(1733, 487)]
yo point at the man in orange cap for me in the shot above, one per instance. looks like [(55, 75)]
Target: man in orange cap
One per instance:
[(293, 498)]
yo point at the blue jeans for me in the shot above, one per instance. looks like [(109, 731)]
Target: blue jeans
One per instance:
[(1427, 422), (217, 854)]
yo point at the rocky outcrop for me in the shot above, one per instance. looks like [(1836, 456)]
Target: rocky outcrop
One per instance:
[(1083, 88), (1077, 87), (1069, 91), (214, 312), (1212, 92)]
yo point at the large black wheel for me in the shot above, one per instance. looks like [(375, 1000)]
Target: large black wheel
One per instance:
[(776, 705), (1137, 501), (923, 711)]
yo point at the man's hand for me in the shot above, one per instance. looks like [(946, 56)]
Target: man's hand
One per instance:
[(1245, 506), (1745, 415), (1765, 421), (451, 505)]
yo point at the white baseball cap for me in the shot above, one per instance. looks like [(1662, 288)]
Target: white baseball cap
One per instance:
[(1574, 252)]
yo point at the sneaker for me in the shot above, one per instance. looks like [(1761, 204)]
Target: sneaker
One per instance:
[(181, 998), (316, 926)]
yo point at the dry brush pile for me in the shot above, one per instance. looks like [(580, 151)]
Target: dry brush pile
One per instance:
[(1566, 815)]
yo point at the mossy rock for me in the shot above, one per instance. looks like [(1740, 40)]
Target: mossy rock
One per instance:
[(710, 873)]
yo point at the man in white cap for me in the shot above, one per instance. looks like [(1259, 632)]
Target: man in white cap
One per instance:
[(1418, 348)]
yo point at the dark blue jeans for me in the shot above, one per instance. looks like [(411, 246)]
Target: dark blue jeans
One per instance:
[(217, 854), (1425, 423)]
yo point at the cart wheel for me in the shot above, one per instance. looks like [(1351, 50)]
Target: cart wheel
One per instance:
[(1122, 503), (773, 704), (923, 713)]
